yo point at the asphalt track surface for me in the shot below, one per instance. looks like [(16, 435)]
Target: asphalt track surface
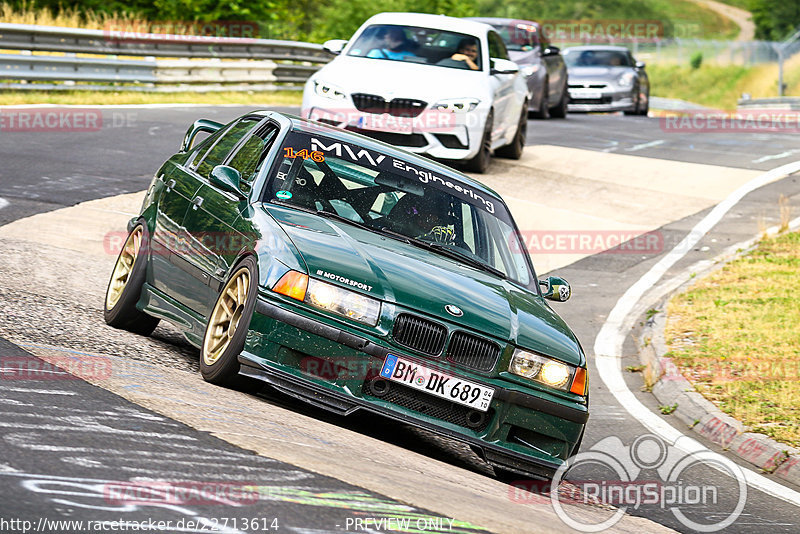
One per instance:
[(46, 171)]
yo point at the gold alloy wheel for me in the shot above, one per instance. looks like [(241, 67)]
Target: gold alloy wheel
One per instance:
[(124, 267), (225, 317)]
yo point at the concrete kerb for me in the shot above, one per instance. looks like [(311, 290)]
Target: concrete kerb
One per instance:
[(671, 388)]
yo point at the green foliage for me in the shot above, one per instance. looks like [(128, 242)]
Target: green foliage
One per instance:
[(775, 20), (696, 60)]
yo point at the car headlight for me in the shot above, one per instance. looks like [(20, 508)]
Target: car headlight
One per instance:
[(548, 371), (529, 70), (328, 91), (329, 297), (457, 105), (625, 80)]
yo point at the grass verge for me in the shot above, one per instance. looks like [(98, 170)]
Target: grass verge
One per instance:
[(736, 336), (98, 98), (721, 87)]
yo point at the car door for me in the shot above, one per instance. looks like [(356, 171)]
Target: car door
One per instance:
[(169, 234), (214, 211), (556, 69), (502, 88)]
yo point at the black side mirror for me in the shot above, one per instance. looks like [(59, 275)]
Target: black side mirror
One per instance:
[(228, 179), (551, 51), (640, 65)]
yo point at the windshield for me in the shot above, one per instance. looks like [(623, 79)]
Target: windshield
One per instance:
[(518, 37), (412, 44), (596, 58), (405, 201)]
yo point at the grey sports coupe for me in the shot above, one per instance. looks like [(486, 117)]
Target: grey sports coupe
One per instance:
[(606, 78)]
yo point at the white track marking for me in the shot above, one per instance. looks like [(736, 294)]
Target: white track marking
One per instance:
[(609, 341), (3, 203), (645, 145), (776, 156)]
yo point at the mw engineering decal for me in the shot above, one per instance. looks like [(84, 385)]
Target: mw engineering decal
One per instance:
[(343, 280), (363, 156)]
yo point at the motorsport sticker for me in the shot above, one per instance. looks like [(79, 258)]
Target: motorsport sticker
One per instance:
[(344, 280), (284, 195)]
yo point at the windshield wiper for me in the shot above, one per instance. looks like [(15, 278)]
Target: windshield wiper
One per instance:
[(445, 250), (334, 215)]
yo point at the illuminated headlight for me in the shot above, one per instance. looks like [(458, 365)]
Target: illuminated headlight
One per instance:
[(343, 302), (626, 80), (457, 105), (328, 91), (541, 369)]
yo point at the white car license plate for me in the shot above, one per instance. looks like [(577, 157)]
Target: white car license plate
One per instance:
[(384, 123), (436, 383), (583, 94)]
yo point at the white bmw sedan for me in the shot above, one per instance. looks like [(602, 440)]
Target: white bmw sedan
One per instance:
[(430, 84)]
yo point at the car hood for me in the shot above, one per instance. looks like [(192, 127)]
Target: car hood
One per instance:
[(596, 73), (416, 279), (393, 79)]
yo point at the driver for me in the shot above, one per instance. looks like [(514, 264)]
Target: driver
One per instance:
[(429, 220), (394, 45)]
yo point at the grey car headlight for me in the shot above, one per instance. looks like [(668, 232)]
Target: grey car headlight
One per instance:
[(542, 369), (328, 91), (343, 302), (457, 105), (625, 80)]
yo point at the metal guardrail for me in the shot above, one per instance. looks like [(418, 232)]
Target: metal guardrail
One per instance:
[(780, 103), (222, 61)]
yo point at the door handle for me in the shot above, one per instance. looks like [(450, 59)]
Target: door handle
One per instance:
[(170, 185), (197, 202)]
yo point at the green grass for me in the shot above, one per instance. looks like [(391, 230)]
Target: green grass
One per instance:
[(736, 336), (254, 98), (719, 86)]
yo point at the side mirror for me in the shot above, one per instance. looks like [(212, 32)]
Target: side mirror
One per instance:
[(227, 179), (200, 125), (640, 65), (555, 288), (551, 51), (503, 66), (334, 46)]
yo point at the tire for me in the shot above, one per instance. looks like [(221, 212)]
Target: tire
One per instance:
[(125, 285), (227, 327), (646, 108), (560, 110), (635, 110), (514, 149), (543, 112), (480, 162)]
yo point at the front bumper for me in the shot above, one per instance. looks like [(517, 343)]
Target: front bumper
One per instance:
[(431, 133), (608, 100), (521, 432)]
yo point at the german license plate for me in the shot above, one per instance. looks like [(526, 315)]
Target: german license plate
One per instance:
[(436, 383), (583, 94), (385, 123)]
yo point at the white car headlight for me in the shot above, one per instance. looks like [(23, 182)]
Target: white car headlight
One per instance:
[(328, 91), (457, 105), (343, 302), (542, 369), (625, 80)]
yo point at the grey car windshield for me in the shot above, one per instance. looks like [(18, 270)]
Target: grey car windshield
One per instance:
[(518, 37), (596, 58), (412, 44), (381, 193)]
